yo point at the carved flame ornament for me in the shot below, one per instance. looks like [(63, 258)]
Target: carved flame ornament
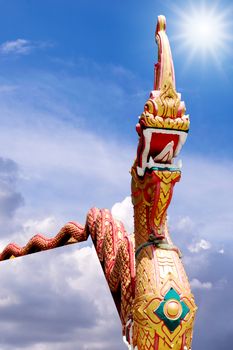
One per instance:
[(144, 271)]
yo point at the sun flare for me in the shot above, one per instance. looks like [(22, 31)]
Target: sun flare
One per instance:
[(205, 32)]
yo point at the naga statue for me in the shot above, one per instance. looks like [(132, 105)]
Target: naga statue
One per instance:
[(144, 270)]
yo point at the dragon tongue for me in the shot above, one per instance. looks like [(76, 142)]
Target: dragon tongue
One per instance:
[(166, 154)]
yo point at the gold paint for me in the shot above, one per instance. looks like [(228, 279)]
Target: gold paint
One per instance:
[(147, 324), (168, 101), (156, 121), (166, 186), (172, 309)]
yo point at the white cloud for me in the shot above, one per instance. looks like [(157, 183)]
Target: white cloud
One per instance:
[(198, 246), (185, 224), (59, 156), (204, 197), (8, 300), (25, 230), (196, 284), (65, 169), (196, 263), (63, 290), (47, 224), (89, 278), (123, 211), (62, 166), (18, 46), (21, 46)]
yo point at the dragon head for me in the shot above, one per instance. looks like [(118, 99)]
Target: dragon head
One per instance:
[(162, 128), (163, 125)]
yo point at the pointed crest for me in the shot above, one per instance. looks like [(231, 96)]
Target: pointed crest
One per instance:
[(164, 69)]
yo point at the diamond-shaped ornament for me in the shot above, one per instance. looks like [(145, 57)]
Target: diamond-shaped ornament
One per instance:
[(172, 310)]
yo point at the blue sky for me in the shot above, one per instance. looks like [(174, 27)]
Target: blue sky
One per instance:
[(74, 76)]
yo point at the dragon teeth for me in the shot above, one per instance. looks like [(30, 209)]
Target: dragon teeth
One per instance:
[(166, 154), (140, 171), (152, 164)]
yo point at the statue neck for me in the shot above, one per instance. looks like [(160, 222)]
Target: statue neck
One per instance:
[(151, 196)]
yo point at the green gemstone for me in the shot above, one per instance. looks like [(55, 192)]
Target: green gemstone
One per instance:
[(171, 324)]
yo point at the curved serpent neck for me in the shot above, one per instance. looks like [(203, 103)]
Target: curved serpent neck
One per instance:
[(151, 197), (163, 308)]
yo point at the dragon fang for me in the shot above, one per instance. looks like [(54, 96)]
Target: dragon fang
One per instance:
[(144, 270)]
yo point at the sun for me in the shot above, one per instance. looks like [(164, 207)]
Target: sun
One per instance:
[(204, 32)]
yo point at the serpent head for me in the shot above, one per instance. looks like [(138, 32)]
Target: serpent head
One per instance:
[(163, 125)]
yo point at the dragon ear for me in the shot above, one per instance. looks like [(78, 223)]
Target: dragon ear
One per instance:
[(164, 69)]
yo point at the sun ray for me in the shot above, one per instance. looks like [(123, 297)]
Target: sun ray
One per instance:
[(204, 32)]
